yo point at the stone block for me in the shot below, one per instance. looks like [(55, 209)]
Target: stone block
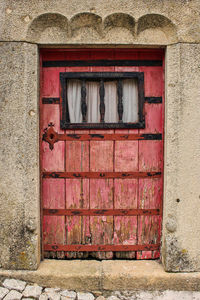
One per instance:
[(51, 290), (181, 227), (13, 295), (32, 291), (43, 297), (3, 292), (85, 296), (68, 294), (196, 296), (19, 157), (13, 284), (52, 296)]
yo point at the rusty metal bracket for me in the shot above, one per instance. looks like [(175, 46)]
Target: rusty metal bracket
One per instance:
[(50, 136)]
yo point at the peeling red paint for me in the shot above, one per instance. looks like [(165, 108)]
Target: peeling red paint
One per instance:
[(102, 189)]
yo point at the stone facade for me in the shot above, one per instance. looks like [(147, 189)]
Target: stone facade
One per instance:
[(27, 25)]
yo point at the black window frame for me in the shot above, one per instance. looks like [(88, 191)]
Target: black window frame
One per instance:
[(101, 76)]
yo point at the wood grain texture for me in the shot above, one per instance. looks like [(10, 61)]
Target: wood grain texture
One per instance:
[(52, 191), (150, 195), (126, 193), (101, 194), (53, 197), (77, 193), (52, 159), (151, 158), (50, 82)]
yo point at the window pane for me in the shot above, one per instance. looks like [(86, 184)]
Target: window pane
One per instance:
[(93, 101), (111, 115), (74, 100), (130, 100)]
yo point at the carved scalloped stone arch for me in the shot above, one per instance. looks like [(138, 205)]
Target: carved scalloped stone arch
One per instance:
[(86, 26), (119, 27), (120, 20), (48, 28), (156, 29)]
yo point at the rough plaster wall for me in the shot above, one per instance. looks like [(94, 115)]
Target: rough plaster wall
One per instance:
[(87, 21), (19, 185), (181, 230)]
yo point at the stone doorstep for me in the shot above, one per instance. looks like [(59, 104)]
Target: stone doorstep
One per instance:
[(110, 275)]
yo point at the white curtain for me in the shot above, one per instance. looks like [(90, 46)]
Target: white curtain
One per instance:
[(111, 114), (93, 102), (130, 101), (74, 100)]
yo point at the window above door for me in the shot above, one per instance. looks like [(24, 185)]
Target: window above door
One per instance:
[(94, 100)]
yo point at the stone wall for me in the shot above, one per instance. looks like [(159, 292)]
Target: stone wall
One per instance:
[(137, 22), (19, 163), (181, 226), (26, 25)]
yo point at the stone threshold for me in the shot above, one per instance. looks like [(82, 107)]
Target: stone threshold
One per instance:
[(111, 275)]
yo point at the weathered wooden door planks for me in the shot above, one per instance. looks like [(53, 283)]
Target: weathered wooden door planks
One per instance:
[(101, 197)]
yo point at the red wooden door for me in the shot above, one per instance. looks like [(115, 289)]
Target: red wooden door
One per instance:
[(101, 188)]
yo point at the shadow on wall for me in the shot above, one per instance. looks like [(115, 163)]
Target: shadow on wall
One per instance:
[(54, 28)]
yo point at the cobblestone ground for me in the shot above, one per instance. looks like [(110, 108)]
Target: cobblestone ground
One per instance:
[(12, 289)]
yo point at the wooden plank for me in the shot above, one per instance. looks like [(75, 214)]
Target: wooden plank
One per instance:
[(77, 196), (151, 157), (101, 175), (153, 81), (153, 120), (77, 193), (101, 228), (51, 82), (53, 228), (149, 228), (101, 156), (150, 193), (98, 248), (52, 159), (125, 228), (53, 197), (126, 156), (101, 212), (101, 191), (77, 157), (125, 234)]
